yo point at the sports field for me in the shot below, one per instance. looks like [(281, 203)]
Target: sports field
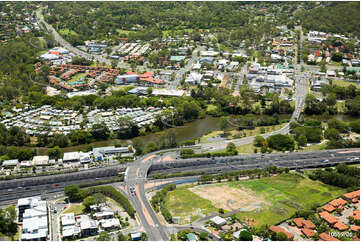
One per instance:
[(261, 201)]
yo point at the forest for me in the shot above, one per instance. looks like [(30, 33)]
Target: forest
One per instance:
[(333, 17)]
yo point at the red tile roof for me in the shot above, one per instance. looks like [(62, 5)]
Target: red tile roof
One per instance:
[(356, 214), (308, 224), (328, 217), (329, 208), (327, 237), (340, 226), (338, 202), (278, 229), (308, 232), (298, 222), (355, 228), (354, 200), (352, 195)]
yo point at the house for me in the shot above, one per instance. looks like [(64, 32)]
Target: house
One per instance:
[(340, 226), (329, 208), (330, 73), (278, 229), (103, 215), (308, 224), (34, 219), (328, 217), (356, 214), (298, 222), (191, 237), (69, 231), (88, 226), (355, 228), (108, 224), (10, 163), (325, 237), (194, 78), (218, 221), (338, 203), (67, 219), (351, 195), (308, 232)]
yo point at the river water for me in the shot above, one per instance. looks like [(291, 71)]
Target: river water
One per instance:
[(200, 127)]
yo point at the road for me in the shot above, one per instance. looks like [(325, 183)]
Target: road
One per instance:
[(66, 44), (180, 73)]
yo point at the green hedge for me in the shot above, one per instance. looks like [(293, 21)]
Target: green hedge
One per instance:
[(111, 192)]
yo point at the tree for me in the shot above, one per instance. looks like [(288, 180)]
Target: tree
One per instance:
[(245, 236), (100, 131), (223, 124), (302, 140), (54, 152), (144, 236), (122, 237), (258, 141), (231, 146), (337, 57), (281, 237), (331, 99), (104, 236), (74, 192), (281, 142), (203, 236), (89, 201), (332, 134)]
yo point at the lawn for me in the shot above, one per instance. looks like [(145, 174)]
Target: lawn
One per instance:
[(187, 205), (277, 197), (77, 77), (75, 208), (286, 193)]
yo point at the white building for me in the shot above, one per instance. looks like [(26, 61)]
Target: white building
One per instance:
[(34, 218), (217, 220), (40, 160)]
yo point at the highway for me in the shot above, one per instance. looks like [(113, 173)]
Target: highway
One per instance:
[(66, 44)]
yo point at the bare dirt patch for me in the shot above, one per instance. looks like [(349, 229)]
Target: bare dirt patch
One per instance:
[(229, 198)]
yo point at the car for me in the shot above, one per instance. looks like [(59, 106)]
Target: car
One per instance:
[(326, 160), (10, 190), (191, 227), (56, 184)]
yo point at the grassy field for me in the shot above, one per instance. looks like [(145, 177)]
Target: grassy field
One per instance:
[(122, 31), (75, 208), (244, 133), (66, 32), (282, 195), (315, 147), (286, 193), (187, 205), (246, 149), (343, 83)]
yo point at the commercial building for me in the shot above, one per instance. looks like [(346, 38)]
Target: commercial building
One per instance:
[(10, 163), (128, 78), (218, 221), (40, 160)]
